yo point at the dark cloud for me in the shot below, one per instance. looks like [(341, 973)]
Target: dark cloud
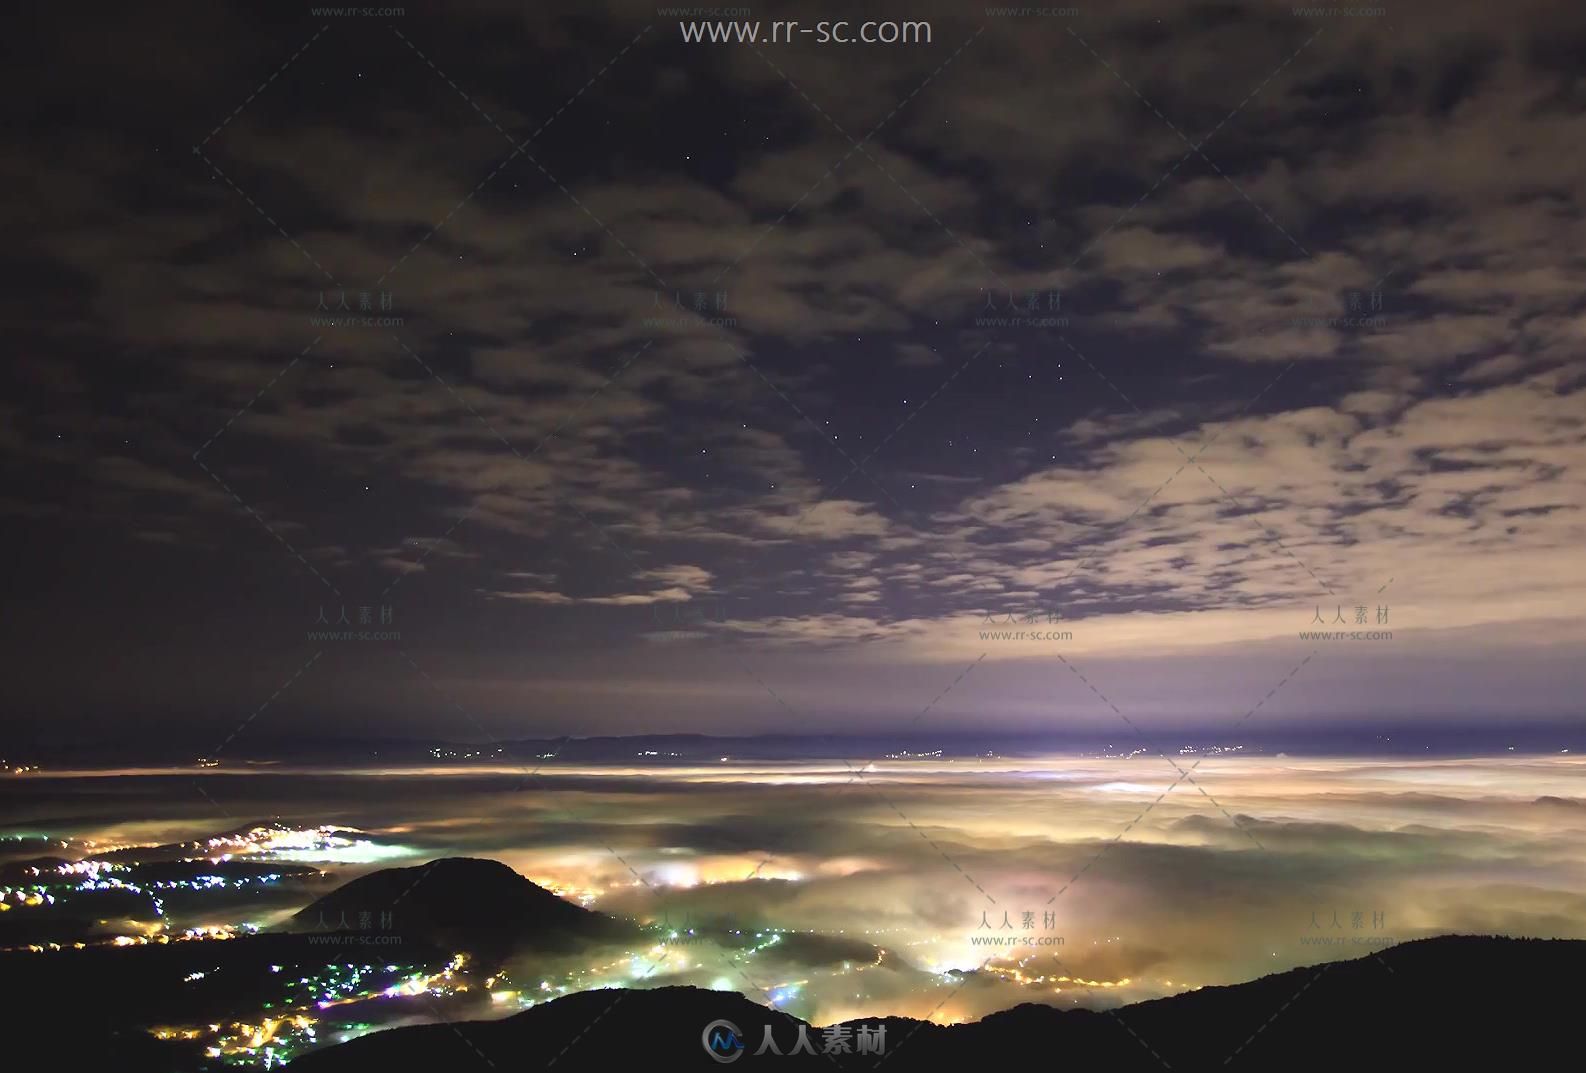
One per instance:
[(674, 324)]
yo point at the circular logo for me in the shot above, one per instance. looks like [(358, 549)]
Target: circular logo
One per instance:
[(722, 1041)]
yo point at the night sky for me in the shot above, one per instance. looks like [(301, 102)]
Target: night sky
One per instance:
[(731, 388)]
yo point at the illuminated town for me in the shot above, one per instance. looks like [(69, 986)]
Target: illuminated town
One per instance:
[(293, 1007)]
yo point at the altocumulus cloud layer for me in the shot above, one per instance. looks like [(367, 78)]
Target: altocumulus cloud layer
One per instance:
[(701, 401)]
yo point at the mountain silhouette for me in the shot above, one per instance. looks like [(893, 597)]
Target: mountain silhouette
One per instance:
[(1455, 1001), (466, 904), (1463, 1002)]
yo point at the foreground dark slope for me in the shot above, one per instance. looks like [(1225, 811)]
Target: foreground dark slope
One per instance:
[(1454, 1001), (463, 903)]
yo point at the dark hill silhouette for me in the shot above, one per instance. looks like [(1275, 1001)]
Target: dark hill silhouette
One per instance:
[(460, 903), (1457, 1001)]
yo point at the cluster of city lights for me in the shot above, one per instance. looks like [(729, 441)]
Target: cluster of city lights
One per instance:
[(440, 753), (584, 896), (337, 985), (187, 935), (283, 1030), (272, 1042), (94, 875), (326, 842)]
